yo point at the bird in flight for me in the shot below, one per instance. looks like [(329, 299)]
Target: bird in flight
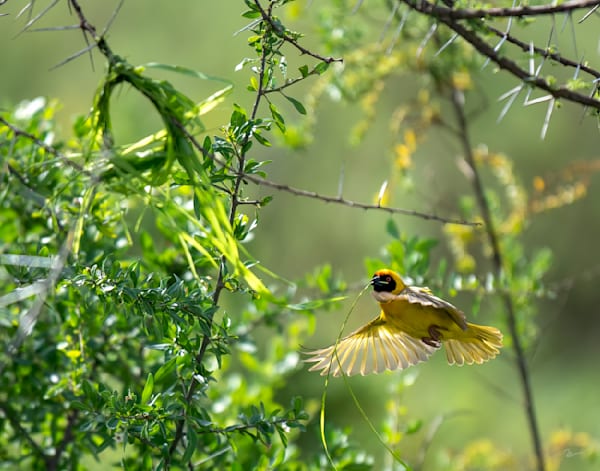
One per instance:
[(412, 325)]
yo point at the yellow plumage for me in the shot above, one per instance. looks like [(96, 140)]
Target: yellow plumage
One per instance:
[(412, 325)]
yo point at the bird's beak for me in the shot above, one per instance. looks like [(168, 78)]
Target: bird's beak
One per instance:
[(377, 281)]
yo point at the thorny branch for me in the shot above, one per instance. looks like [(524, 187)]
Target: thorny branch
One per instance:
[(525, 47), (514, 12), (452, 17)]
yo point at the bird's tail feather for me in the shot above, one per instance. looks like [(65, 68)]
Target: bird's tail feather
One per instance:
[(479, 344)]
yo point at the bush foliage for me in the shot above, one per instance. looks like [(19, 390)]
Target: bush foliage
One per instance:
[(139, 330)]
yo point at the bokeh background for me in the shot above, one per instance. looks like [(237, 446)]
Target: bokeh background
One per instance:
[(295, 234)]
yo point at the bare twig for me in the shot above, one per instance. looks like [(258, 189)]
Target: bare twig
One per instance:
[(33, 195), (498, 263), (355, 204), (287, 83)]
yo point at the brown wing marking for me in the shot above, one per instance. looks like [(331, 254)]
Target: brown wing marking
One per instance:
[(424, 297)]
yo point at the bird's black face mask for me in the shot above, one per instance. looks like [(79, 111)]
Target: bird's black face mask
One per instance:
[(383, 283)]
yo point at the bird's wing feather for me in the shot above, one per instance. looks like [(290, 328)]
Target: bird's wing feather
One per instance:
[(374, 348), (424, 297)]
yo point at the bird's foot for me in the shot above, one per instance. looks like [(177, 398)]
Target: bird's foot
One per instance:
[(435, 339)]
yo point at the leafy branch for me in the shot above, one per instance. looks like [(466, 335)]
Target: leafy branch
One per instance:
[(286, 35), (239, 136)]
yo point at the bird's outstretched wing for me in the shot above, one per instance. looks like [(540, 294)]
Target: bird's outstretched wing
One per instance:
[(374, 348), (425, 297)]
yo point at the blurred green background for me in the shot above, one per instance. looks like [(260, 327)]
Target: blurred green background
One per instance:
[(297, 234)]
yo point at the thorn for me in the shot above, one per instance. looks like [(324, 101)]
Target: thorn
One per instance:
[(531, 59), (426, 39), (446, 44), (341, 181), (535, 101), (547, 118), (388, 22), (382, 192), (398, 31), (588, 14), (513, 94), (74, 56), (113, 17), (578, 68)]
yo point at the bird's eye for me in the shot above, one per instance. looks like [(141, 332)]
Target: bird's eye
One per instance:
[(388, 278)]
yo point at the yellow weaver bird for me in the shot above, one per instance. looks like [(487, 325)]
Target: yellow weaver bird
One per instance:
[(412, 325)]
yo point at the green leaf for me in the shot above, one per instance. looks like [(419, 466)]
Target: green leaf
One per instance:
[(414, 426), (239, 117), (265, 142), (207, 144), (392, 228), (266, 200), (167, 369), (80, 405), (303, 71), (297, 404), (321, 67), (299, 106), (251, 14), (279, 121), (252, 167), (148, 388), (192, 444), (254, 39), (253, 84)]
